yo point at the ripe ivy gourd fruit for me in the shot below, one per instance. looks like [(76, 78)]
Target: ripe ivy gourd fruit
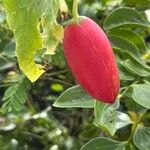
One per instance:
[(90, 57)]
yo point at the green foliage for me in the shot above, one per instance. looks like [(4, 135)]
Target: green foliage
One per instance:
[(15, 96), (131, 36), (138, 3), (52, 31), (136, 68), (140, 94), (38, 31), (105, 116), (23, 18), (74, 97), (122, 17), (103, 144), (142, 137)]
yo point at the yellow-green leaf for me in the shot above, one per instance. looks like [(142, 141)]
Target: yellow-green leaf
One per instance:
[(23, 17), (52, 31)]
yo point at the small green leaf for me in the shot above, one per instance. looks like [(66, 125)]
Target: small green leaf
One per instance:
[(58, 59), (124, 44), (123, 74), (141, 138), (16, 95), (128, 55), (130, 36), (141, 94), (126, 48), (74, 97), (131, 105), (9, 50), (102, 143), (89, 133), (105, 116), (5, 63), (136, 68), (124, 16)]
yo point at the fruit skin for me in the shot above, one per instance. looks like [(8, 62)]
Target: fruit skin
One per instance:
[(90, 57)]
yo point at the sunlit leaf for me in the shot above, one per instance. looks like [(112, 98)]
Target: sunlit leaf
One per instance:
[(52, 31), (26, 18), (22, 17)]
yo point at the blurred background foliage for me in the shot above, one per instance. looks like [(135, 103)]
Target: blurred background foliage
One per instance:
[(28, 120)]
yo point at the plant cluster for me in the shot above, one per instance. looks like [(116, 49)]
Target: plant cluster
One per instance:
[(43, 106)]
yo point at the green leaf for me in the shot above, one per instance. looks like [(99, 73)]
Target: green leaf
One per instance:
[(123, 74), (136, 68), (122, 120), (131, 105), (2, 17), (127, 49), (9, 50), (25, 19), (136, 59), (105, 116), (141, 138), (5, 63), (124, 17), (16, 95), (22, 17), (74, 97), (124, 45), (89, 133), (130, 36), (138, 3), (141, 94), (63, 6), (58, 59), (102, 143), (52, 31)]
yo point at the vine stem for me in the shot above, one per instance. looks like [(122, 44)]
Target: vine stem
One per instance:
[(56, 73), (124, 92), (75, 9), (136, 124)]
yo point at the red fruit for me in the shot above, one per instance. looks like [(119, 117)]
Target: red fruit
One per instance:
[(90, 57)]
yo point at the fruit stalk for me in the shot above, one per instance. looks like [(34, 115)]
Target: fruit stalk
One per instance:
[(75, 9)]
